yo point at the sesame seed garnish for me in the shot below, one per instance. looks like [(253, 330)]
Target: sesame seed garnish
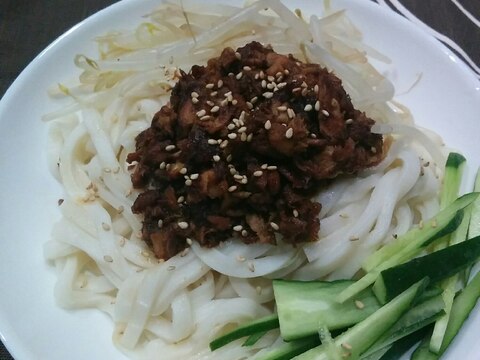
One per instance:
[(194, 176), (268, 95), (238, 55), (295, 212), (212, 142), (239, 75), (258, 173), (242, 116), (201, 113), (188, 182), (272, 167), (195, 100), (216, 158), (160, 223), (325, 112), (108, 258), (349, 121), (286, 72), (270, 78), (271, 86), (268, 125), (317, 105), (315, 89), (296, 89), (290, 113), (289, 133), (234, 102), (210, 103), (264, 84), (214, 109), (232, 188), (264, 166), (237, 177), (247, 68), (238, 228), (347, 346), (373, 150), (254, 100), (249, 137), (189, 241), (194, 94), (281, 85), (242, 129), (183, 170), (249, 105), (232, 136), (243, 136), (227, 94), (205, 118), (244, 181), (304, 92), (106, 227), (213, 93), (240, 258), (262, 74), (308, 107), (180, 199), (224, 144), (209, 86), (304, 84), (256, 76), (282, 108), (360, 305), (224, 102), (274, 226), (182, 225), (162, 165), (220, 83)]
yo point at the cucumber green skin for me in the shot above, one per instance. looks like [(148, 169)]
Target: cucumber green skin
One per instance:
[(454, 160), (417, 238), (252, 339), (415, 319), (423, 352), (291, 349), (362, 335), (436, 266), (400, 347), (260, 325), (303, 305)]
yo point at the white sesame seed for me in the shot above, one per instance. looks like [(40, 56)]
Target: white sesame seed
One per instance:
[(212, 142), (264, 84), (242, 116), (205, 118), (249, 105), (214, 109), (271, 86), (232, 136), (194, 176), (106, 227), (256, 76), (229, 157), (220, 83), (216, 158), (315, 88), (213, 93), (360, 305), (268, 125), (304, 92), (313, 136), (224, 144), (163, 165), (209, 86), (289, 133), (224, 102), (227, 94), (189, 241), (349, 121), (249, 137), (188, 182), (182, 225), (210, 103), (242, 129), (267, 95), (238, 228), (272, 167), (238, 55), (308, 107), (347, 346), (254, 100), (282, 108), (262, 74), (281, 85), (108, 258), (237, 177), (274, 226), (317, 105), (231, 126), (286, 72), (270, 78), (240, 258), (373, 150), (325, 112), (194, 94), (295, 212), (258, 173), (290, 113), (231, 74), (243, 136), (232, 188), (160, 223), (304, 84), (201, 113), (180, 199), (247, 68), (264, 166), (195, 100), (296, 89), (239, 75)]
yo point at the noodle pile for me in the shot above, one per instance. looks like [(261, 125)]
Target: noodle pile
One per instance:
[(176, 307)]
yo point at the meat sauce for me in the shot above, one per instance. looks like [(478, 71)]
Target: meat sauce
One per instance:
[(241, 149)]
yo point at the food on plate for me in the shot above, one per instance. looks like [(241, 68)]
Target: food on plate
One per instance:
[(381, 180), (242, 146)]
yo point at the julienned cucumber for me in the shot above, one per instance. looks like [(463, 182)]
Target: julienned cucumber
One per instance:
[(436, 266), (288, 350), (452, 178), (361, 336), (441, 224), (257, 326), (303, 305)]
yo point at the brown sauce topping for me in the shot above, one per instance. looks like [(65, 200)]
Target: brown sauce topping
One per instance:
[(242, 147)]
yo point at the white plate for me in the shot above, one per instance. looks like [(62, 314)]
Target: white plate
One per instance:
[(447, 100)]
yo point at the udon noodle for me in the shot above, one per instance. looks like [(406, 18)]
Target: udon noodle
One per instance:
[(172, 309)]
